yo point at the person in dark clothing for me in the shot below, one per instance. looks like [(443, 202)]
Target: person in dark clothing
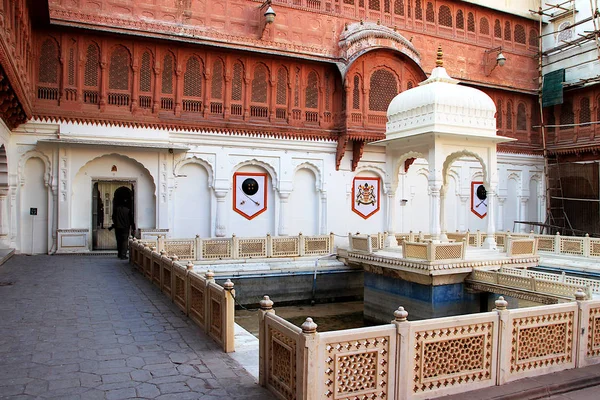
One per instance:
[(123, 223)]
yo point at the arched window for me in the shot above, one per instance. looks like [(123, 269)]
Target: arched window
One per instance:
[(90, 75), (507, 31), (282, 84), (497, 29), (499, 114), (312, 91), (71, 64), (192, 78), (484, 26), (216, 84), (236, 89), (520, 34), (567, 116), (460, 20), (384, 87), (49, 66), (470, 22), (259, 85), (410, 85), (118, 73), (167, 74), (585, 113), (418, 10), (145, 84), (533, 38), (521, 117), (509, 115), (399, 7), (445, 16), (565, 32), (327, 91), (374, 5), (356, 93), (409, 9), (429, 13)]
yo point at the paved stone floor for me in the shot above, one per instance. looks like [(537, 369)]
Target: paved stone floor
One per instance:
[(89, 327)]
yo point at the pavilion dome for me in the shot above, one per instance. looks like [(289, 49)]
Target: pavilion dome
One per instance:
[(439, 104)]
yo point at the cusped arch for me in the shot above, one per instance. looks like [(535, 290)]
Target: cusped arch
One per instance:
[(263, 164), (198, 161), (452, 173), (47, 166), (315, 170), (464, 153), (380, 172), (400, 164)]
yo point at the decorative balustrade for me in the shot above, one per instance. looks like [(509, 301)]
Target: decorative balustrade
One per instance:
[(427, 358), (208, 304), (593, 284), (430, 251)]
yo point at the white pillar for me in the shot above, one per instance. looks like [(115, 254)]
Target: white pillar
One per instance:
[(490, 240), (323, 225), (391, 220), (284, 198), (523, 214), (443, 236), (4, 219), (463, 213), (434, 210), (500, 221), (221, 225)]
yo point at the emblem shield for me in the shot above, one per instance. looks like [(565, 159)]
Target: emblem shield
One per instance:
[(249, 194), (365, 196)]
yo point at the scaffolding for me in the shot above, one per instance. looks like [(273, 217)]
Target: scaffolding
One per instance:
[(556, 217)]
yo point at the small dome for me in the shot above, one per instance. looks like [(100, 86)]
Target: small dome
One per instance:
[(439, 104)]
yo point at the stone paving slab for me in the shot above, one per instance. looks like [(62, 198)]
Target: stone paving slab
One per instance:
[(77, 327)]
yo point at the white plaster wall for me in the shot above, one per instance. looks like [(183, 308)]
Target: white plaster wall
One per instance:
[(304, 204), (34, 229), (99, 168), (192, 203)]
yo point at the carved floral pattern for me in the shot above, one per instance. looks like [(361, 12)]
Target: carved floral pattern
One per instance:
[(593, 349), (282, 364)]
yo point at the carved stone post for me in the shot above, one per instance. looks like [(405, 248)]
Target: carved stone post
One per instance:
[(402, 344), (434, 210), (307, 381), (266, 307), (221, 226)]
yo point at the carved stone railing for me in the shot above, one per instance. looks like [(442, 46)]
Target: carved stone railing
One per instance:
[(208, 304), (430, 251), (198, 248), (521, 247), (367, 243), (593, 284), (427, 358)]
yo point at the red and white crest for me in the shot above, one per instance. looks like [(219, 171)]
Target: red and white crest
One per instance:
[(249, 194), (365, 196), (479, 200)]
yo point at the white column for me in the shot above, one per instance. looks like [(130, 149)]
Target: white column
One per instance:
[(541, 208), (443, 236), (490, 240), (463, 213), (221, 225), (500, 221), (523, 214), (434, 209), (391, 219), (4, 219), (284, 198), (323, 225)]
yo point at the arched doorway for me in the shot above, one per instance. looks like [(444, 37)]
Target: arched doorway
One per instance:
[(106, 196)]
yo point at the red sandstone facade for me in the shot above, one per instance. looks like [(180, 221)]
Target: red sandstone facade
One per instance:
[(324, 70)]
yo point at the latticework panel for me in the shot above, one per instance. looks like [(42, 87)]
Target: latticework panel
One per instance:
[(448, 252), (48, 67), (236, 82), (533, 37), (374, 242), (216, 87), (192, 78), (470, 22), (179, 296), (156, 273), (520, 36), (166, 281), (374, 5), (282, 83), (452, 356), (146, 73), (252, 248), (197, 292), (484, 276), (429, 13), (593, 344), (281, 375), (360, 243), (184, 249), (297, 88), (541, 341), (316, 245), (71, 67), (216, 319), (167, 74), (327, 92), (358, 368), (415, 251), (585, 113), (286, 247), (312, 91), (484, 26), (460, 20), (499, 113), (399, 7), (418, 10), (118, 74), (547, 244), (259, 84), (384, 87), (509, 115), (594, 247), (571, 246), (445, 16), (90, 76), (497, 29), (356, 93), (507, 31), (216, 249), (521, 117)]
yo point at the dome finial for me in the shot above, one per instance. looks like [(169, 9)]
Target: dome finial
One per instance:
[(440, 55)]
